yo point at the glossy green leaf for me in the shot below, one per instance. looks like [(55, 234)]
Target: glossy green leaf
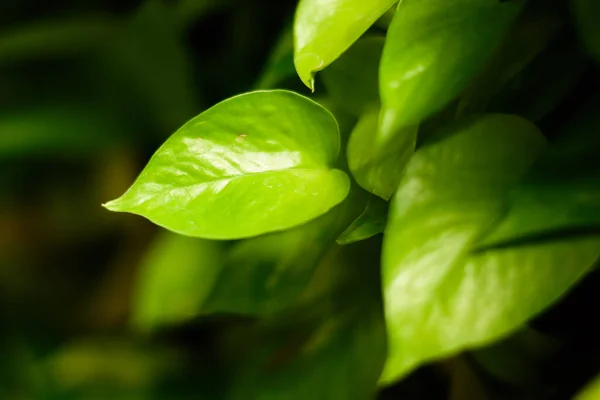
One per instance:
[(370, 223), (587, 14), (267, 274), (433, 49), (591, 391), (324, 29), (331, 349), (255, 163), (176, 277), (561, 194), (441, 297), (352, 80), (376, 168)]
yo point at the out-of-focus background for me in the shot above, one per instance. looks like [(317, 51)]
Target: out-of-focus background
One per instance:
[(88, 91)]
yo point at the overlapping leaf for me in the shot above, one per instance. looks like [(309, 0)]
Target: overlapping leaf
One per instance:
[(324, 29), (378, 168), (255, 163), (440, 295), (433, 49)]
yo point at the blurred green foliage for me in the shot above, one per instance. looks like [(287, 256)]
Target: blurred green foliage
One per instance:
[(95, 305)]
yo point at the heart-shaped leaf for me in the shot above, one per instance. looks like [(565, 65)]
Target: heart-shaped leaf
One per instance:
[(440, 296), (324, 29), (433, 49), (256, 163)]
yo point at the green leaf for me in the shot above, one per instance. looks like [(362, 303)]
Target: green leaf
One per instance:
[(324, 29), (267, 274), (433, 49), (376, 168), (591, 391), (256, 163), (561, 194), (587, 14), (441, 297), (352, 80), (176, 277), (330, 349), (370, 223)]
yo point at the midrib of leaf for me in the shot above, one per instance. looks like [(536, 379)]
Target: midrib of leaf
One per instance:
[(114, 204), (232, 177)]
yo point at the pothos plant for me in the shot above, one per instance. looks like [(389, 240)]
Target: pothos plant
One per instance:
[(423, 126)]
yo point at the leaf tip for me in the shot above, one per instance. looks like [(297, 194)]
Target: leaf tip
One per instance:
[(309, 81), (307, 65), (113, 205)]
